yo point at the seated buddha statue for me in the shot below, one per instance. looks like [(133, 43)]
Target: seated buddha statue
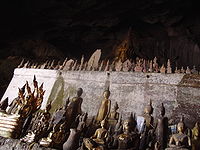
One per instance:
[(129, 139), (100, 134), (98, 139), (179, 141), (55, 138), (47, 142), (113, 116)]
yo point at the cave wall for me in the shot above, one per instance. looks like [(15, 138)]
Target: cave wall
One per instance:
[(132, 90), (55, 29)]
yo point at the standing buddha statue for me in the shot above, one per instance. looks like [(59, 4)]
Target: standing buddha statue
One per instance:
[(104, 109)]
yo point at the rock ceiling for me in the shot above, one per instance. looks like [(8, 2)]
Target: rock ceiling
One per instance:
[(60, 28)]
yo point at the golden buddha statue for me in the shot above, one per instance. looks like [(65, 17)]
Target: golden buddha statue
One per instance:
[(55, 138), (129, 139), (104, 109), (179, 140), (100, 134), (196, 137), (78, 100), (59, 137), (98, 140)]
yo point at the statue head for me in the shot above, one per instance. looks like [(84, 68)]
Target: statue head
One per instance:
[(106, 94), (103, 123), (181, 127), (115, 107), (129, 123), (79, 92)]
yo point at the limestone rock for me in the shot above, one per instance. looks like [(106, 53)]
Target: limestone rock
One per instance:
[(118, 65), (68, 65), (94, 60), (127, 65)]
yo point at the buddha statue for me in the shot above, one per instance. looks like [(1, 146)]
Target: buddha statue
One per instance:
[(48, 142), (148, 110), (78, 100), (196, 137), (179, 140), (99, 139), (100, 134), (162, 129), (104, 109), (74, 108), (129, 139), (55, 138), (59, 137), (114, 115)]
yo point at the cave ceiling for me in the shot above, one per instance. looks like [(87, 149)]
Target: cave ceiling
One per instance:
[(66, 28)]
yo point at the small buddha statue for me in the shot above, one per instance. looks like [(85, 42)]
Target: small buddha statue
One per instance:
[(59, 136), (114, 115), (129, 139), (100, 134), (74, 108), (148, 110), (104, 109), (48, 142), (55, 138), (162, 129), (179, 140), (196, 137), (78, 100)]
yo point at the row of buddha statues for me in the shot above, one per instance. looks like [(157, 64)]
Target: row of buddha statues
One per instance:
[(69, 128), (94, 64)]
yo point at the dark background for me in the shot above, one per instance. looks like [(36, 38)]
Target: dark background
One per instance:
[(55, 29)]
